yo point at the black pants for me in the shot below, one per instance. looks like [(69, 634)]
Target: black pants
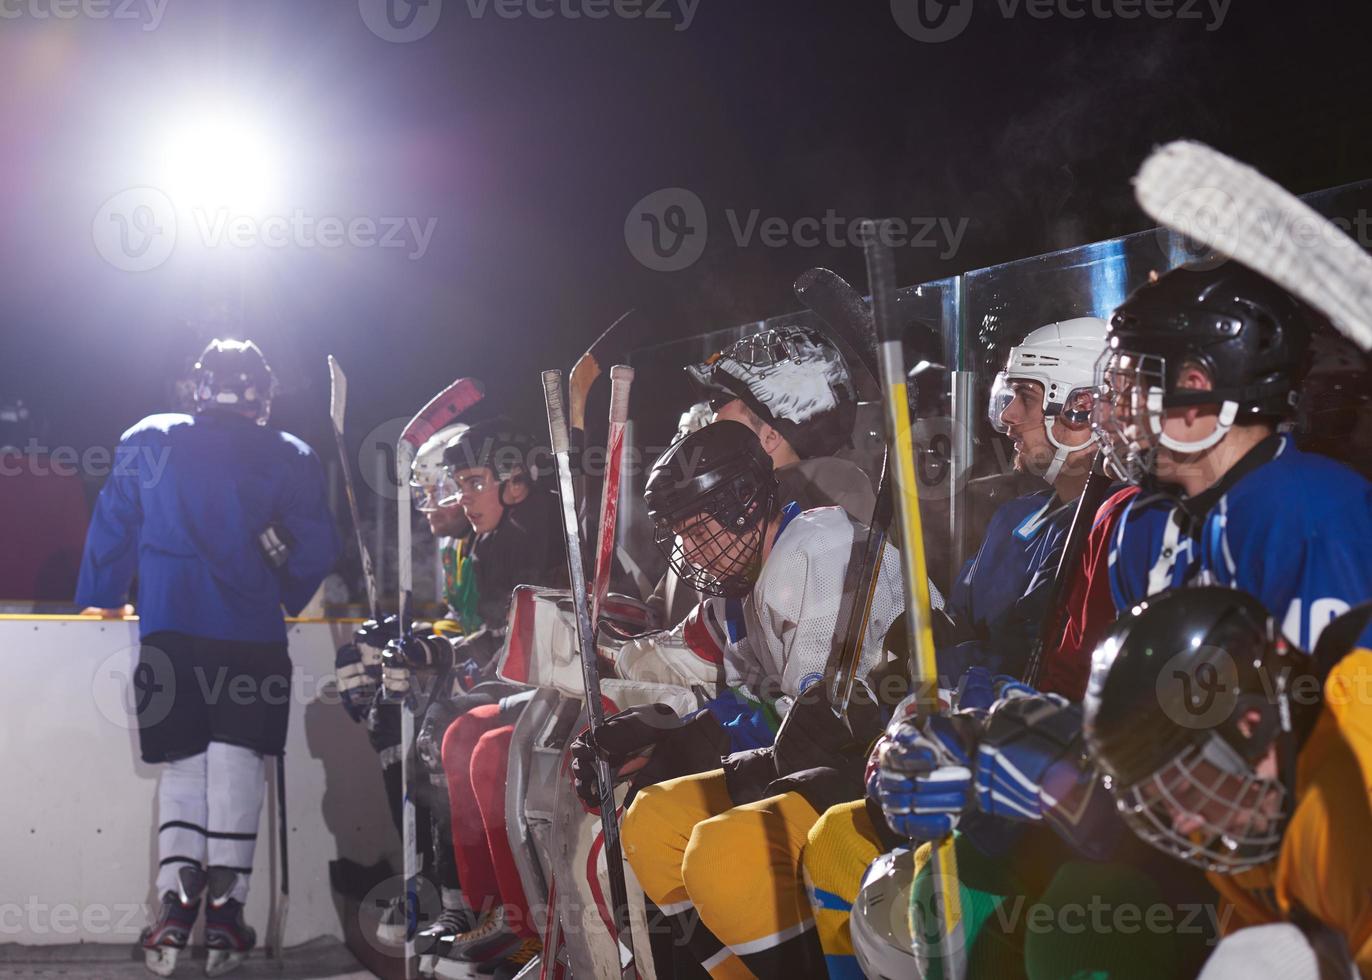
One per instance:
[(189, 691)]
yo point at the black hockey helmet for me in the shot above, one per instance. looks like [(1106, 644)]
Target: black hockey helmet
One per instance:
[(234, 374), (795, 379), (1249, 334), (718, 474), (1167, 720), (497, 444)]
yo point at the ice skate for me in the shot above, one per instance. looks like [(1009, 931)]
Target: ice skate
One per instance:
[(227, 938), (392, 926), (166, 937), (450, 922), (460, 956)]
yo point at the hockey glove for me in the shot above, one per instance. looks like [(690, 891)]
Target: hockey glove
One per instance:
[(1030, 746), (356, 686), (812, 735), (371, 638), (626, 738), (923, 777)]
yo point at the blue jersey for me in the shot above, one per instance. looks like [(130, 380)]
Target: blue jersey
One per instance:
[(184, 505), (1001, 594), (1295, 531)]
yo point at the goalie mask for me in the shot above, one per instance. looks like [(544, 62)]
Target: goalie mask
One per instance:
[(794, 379), (1189, 694), (710, 497), (233, 374), (1061, 357), (427, 473), (1244, 331)]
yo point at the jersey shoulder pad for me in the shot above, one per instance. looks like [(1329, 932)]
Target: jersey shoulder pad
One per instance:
[(815, 532), (156, 426)]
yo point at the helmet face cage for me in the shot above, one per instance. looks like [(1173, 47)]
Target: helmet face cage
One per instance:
[(715, 548), (1128, 410), (1238, 815)]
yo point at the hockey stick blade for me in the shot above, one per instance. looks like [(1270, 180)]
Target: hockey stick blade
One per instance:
[(443, 409), (1232, 208), (338, 393), (849, 319), (588, 367), (338, 410)]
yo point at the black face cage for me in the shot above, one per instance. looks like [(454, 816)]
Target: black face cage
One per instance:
[(716, 548), (1245, 813)]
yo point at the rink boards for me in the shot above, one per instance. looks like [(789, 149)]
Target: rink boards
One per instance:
[(78, 819)]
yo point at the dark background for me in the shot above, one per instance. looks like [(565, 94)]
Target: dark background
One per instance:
[(529, 140)]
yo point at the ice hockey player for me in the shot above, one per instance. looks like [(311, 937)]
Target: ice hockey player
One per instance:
[(358, 670), (773, 577), (225, 522), (1199, 372), (1042, 401), (792, 387), (491, 471), (1229, 748)]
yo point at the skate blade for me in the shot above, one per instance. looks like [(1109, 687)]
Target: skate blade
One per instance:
[(391, 935), (426, 964), (449, 969), (221, 961), (162, 960)]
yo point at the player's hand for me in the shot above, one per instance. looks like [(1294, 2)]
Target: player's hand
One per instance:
[(627, 739), (923, 777), (117, 613), (1030, 743), (356, 684)]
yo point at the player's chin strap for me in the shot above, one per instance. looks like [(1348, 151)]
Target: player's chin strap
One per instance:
[(1229, 410), (1060, 450)]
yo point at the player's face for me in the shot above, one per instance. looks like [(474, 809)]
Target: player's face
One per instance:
[(1207, 797), (478, 496), (720, 554), (447, 522), (1023, 421)]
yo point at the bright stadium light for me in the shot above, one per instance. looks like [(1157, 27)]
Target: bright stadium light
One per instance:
[(218, 160)]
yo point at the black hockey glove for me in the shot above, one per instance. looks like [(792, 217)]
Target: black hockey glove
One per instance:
[(812, 735), (625, 736)]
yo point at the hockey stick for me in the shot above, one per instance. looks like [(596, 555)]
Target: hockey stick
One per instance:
[(587, 368), (849, 319), (859, 592), (1232, 208), (442, 409), (918, 614), (590, 673), (1050, 632), (277, 944), (338, 406), (621, 379)]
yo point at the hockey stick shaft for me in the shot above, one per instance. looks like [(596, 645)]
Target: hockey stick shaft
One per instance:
[(441, 410), (283, 830), (621, 380), (1054, 617), (338, 404), (590, 672), (860, 588), (918, 612)]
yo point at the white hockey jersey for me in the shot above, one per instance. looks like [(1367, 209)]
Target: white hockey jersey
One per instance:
[(778, 643)]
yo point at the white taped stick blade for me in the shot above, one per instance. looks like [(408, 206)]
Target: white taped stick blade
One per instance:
[(338, 393), (621, 380), (1228, 206), (557, 410)]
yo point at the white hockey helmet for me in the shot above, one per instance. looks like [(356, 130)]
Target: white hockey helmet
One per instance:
[(1062, 358), (426, 472), (880, 920)]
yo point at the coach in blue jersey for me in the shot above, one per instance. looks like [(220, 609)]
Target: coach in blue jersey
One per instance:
[(226, 523)]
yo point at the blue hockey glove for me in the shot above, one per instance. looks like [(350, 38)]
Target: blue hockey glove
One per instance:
[(923, 777), (1030, 742)]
